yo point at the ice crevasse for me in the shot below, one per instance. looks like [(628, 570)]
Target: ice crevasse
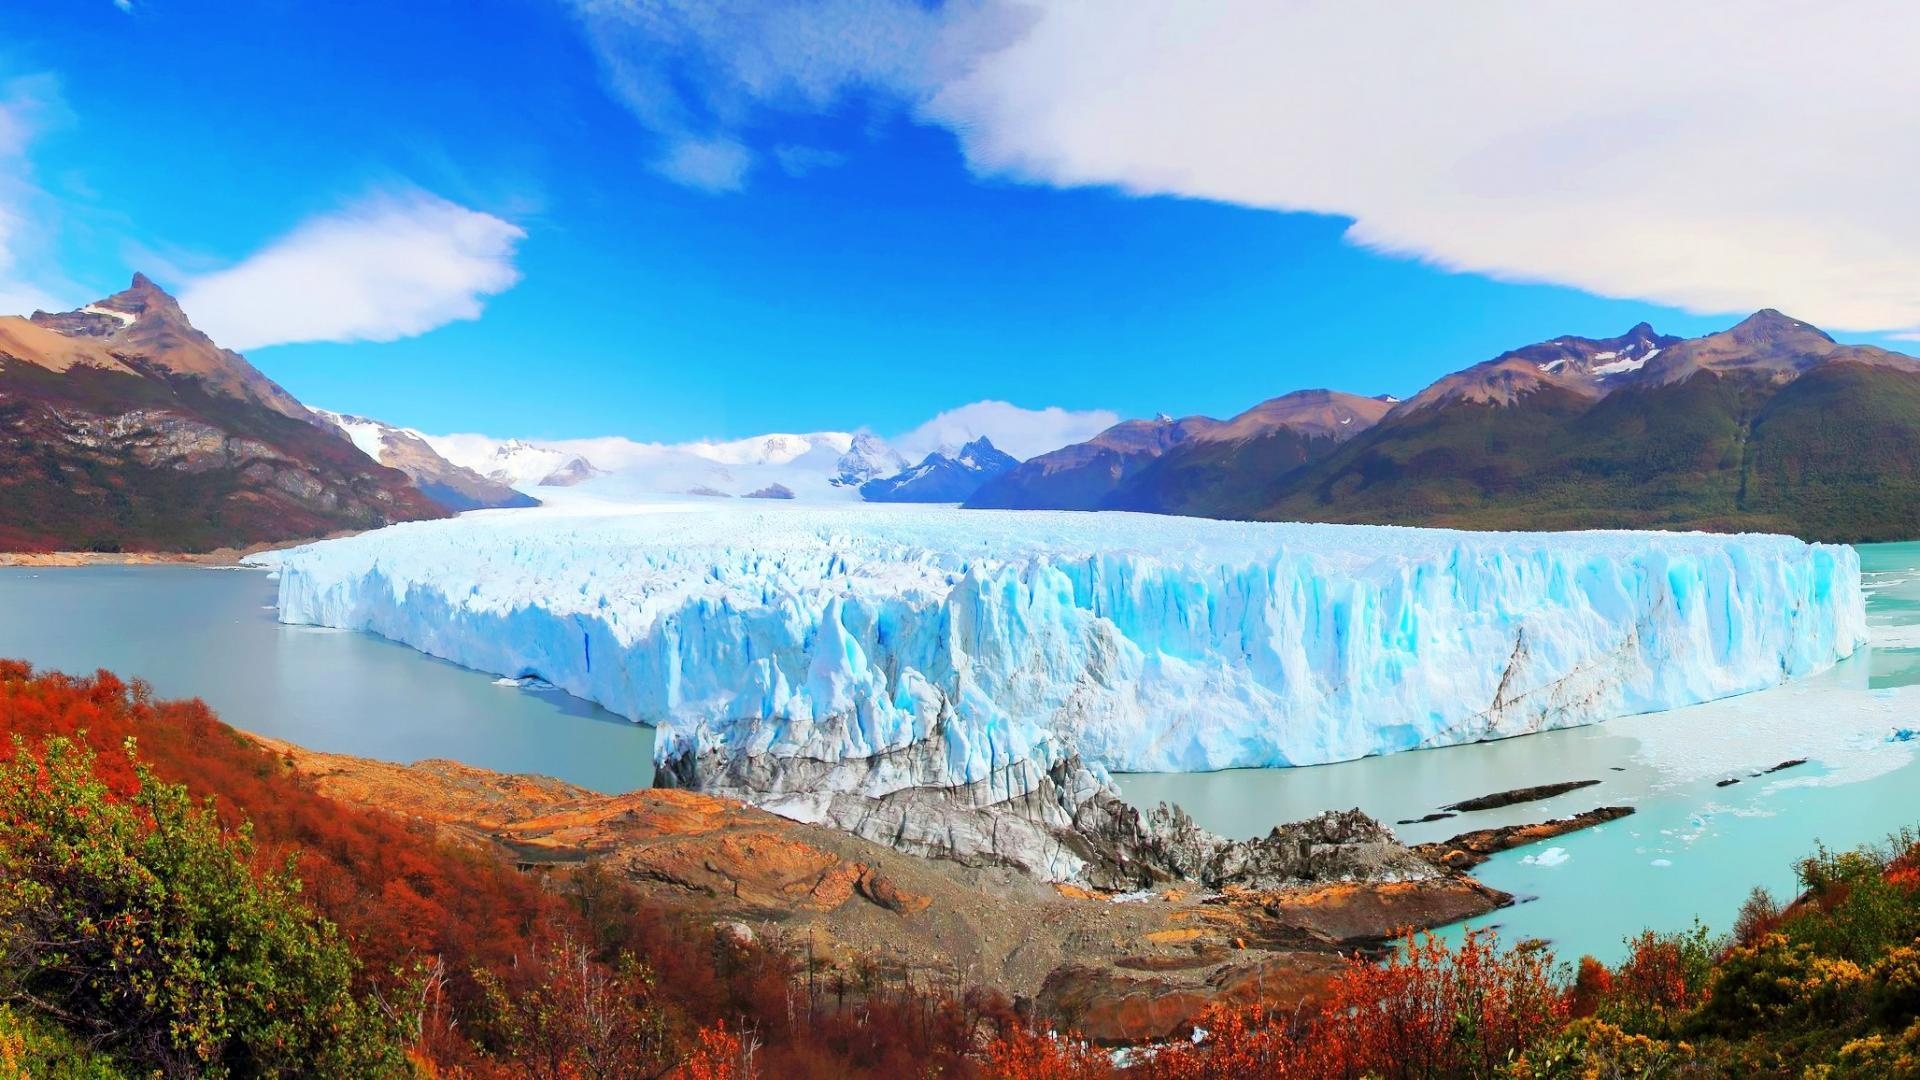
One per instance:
[(1139, 642)]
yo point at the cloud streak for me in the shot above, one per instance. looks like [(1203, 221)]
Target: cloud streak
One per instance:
[(698, 73), (389, 266), (1717, 156)]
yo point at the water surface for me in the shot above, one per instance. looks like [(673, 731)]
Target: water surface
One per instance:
[(208, 633)]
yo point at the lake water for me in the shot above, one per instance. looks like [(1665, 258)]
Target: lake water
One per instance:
[(207, 633), (1692, 849)]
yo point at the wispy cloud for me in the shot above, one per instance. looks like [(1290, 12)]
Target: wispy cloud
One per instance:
[(1719, 155), (699, 74), (1019, 431), (798, 161), (25, 105), (715, 165), (389, 266)]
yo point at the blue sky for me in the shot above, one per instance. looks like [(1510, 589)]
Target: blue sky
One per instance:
[(898, 243)]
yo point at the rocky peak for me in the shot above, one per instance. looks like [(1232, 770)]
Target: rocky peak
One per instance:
[(1769, 327), (144, 324)]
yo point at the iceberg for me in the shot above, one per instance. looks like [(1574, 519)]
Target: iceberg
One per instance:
[(811, 657)]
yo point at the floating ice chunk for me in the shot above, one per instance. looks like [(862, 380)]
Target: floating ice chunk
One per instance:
[(1553, 856)]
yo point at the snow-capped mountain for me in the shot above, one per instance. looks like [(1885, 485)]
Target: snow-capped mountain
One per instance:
[(452, 486), (944, 476), (814, 466), (869, 458), (515, 462)]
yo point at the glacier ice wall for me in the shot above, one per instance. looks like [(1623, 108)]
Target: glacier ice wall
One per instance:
[(992, 641)]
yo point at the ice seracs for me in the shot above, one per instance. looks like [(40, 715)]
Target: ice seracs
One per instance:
[(849, 664)]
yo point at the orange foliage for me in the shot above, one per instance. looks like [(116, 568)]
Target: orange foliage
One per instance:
[(1655, 975), (719, 1054), (1425, 1011), (1020, 1053), (438, 926), (1591, 985)]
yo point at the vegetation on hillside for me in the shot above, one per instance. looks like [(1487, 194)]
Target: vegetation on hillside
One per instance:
[(95, 460), (250, 926), (1829, 456), (175, 902)]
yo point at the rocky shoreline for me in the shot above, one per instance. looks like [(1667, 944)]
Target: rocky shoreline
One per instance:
[(1184, 919)]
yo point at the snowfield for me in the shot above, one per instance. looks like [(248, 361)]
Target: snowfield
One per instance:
[(999, 640)]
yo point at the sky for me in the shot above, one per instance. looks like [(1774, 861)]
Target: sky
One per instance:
[(670, 219)]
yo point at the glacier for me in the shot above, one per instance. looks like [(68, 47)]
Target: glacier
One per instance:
[(810, 657)]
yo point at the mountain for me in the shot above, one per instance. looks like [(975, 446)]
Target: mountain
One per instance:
[(815, 466), (868, 457), (515, 463), (122, 427), (452, 486), (1768, 426), (944, 476), (1171, 466)]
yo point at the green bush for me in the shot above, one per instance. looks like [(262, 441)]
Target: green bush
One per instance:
[(144, 929)]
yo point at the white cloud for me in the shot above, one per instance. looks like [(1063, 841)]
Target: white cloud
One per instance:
[(386, 267), (1719, 155), (124, 5), (1715, 155), (1022, 432)]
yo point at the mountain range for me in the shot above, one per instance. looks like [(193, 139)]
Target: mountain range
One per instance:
[(452, 486), (1768, 426), (122, 427), (943, 476)]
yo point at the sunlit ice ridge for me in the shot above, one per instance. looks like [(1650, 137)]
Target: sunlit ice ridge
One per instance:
[(989, 640)]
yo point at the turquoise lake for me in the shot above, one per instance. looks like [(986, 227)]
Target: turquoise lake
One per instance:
[(1693, 849)]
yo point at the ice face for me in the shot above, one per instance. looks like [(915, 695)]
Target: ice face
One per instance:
[(1140, 642)]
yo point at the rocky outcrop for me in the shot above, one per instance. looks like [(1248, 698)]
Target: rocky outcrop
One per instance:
[(1470, 849), (1518, 795), (1063, 824)]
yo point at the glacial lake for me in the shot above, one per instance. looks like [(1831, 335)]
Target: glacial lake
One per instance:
[(1693, 848), (212, 634)]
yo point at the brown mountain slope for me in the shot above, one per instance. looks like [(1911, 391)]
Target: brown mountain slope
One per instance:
[(123, 428), (1146, 464), (146, 322), (452, 486), (1767, 426)]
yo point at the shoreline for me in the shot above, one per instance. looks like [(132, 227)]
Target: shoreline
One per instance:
[(227, 558), (223, 559)]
